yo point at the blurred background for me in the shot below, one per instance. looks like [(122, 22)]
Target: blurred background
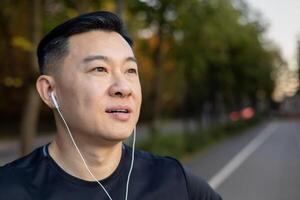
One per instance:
[(211, 71)]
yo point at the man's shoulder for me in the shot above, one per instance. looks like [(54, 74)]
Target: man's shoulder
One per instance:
[(20, 170), (25, 161), (200, 189), (9, 179), (18, 176), (165, 166), (157, 161), (152, 157), (5, 173)]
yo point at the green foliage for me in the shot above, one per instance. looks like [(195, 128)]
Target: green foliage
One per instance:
[(172, 144), (23, 43), (182, 144), (216, 53), (209, 50)]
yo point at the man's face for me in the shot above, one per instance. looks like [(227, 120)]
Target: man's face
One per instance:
[(98, 88)]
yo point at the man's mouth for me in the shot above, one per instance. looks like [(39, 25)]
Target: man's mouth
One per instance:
[(121, 113), (117, 111)]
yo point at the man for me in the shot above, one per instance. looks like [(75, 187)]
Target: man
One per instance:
[(89, 77)]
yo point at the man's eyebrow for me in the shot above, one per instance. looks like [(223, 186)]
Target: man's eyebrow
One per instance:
[(133, 59), (94, 57), (105, 58)]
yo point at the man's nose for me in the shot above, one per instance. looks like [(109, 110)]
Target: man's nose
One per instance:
[(120, 88)]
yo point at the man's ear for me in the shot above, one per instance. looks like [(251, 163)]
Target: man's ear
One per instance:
[(45, 85)]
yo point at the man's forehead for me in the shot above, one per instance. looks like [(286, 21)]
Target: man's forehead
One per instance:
[(96, 35), (100, 45)]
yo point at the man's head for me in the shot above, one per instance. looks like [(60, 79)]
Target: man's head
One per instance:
[(89, 64)]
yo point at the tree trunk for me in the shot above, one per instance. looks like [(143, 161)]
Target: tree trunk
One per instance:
[(29, 121), (120, 8), (31, 111), (157, 83)]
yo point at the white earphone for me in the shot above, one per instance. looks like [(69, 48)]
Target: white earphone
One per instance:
[(54, 101)]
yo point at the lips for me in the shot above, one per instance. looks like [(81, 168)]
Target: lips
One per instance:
[(121, 113)]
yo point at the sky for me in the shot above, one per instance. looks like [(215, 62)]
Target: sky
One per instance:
[(283, 17)]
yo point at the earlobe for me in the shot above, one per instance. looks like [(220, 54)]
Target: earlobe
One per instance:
[(45, 85)]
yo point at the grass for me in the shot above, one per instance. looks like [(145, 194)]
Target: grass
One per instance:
[(182, 145)]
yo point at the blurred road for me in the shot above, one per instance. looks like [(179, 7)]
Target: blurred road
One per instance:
[(262, 164)]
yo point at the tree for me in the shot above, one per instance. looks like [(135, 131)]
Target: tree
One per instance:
[(158, 19), (218, 50), (32, 105)]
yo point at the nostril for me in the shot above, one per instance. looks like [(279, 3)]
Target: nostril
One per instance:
[(118, 94)]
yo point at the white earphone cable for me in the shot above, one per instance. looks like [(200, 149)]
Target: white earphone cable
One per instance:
[(85, 164), (132, 161)]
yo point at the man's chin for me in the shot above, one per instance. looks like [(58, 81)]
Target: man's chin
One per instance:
[(116, 138), (121, 138)]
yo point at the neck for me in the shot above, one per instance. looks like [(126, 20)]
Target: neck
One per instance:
[(102, 160)]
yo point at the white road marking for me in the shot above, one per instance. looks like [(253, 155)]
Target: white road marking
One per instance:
[(236, 161), (297, 138)]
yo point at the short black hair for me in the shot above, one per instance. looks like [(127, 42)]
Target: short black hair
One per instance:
[(54, 46)]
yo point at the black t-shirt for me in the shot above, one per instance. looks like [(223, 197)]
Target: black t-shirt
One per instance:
[(37, 176)]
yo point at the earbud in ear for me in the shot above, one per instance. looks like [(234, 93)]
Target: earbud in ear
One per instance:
[(54, 101)]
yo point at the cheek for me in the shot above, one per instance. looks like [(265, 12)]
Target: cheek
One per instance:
[(92, 93), (138, 92), (137, 97), (74, 94)]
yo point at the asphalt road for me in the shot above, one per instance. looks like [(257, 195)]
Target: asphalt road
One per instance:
[(262, 164)]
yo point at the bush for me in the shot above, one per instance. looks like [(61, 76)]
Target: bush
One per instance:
[(180, 144)]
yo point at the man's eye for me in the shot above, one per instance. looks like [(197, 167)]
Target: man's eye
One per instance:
[(132, 71), (99, 69)]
